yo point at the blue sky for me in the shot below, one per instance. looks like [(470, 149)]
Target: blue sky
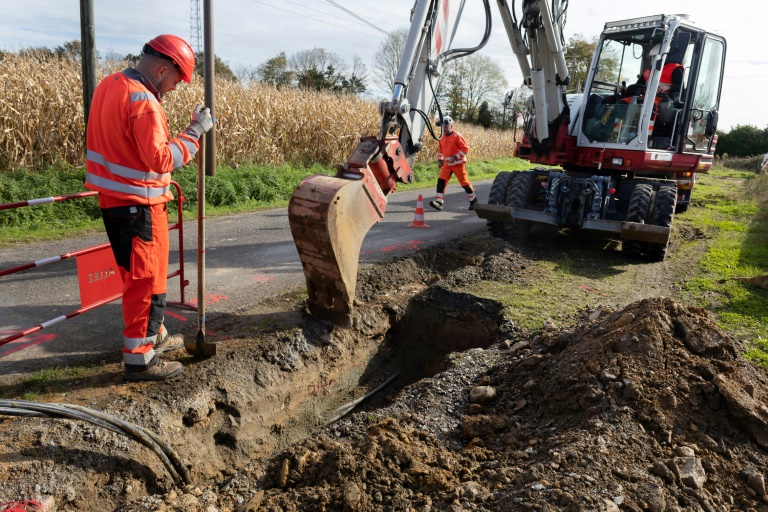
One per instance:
[(248, 32)]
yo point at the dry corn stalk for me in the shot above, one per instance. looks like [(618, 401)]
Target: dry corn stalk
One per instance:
[(41, 120)]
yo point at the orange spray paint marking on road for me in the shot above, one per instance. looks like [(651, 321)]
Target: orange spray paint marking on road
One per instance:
[(176, 316), (211, 299), (26, 341)]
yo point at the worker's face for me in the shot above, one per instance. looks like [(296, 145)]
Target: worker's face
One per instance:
[(170, 76), (449, 128)]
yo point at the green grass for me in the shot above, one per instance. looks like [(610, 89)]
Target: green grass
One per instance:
[(728, 203), (55, 375), (739, 250), (247, 188), (730, 209)]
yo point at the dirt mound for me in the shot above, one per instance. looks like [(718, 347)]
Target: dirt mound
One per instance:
[(647, 408)]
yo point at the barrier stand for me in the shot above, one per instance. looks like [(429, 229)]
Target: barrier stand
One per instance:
[(179, 226), (100, 283)]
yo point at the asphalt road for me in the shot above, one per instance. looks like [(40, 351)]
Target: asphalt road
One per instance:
[(249, 257)]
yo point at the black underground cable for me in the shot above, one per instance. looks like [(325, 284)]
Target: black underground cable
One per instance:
[(165, 453)]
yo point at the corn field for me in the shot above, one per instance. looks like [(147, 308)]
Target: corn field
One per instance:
[(42, 120)]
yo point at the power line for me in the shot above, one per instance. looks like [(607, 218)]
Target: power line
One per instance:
[(359, 17), (311, 18)]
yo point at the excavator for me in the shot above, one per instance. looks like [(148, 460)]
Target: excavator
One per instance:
[(618, 156)]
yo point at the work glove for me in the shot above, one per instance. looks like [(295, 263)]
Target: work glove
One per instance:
[(440, 163), (451, 160), (201, 122)]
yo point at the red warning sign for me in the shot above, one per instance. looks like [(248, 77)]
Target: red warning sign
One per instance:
[(99, 276)]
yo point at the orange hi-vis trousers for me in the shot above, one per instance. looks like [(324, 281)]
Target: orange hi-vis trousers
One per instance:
[(139, 238), (460, 171)]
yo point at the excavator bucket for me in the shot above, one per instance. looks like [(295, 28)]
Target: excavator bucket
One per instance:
[(329, 219)]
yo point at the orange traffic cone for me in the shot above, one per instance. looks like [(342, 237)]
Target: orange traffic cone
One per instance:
[(418, 216)]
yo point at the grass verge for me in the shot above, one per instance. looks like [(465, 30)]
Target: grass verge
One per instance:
[(230, 191), (573, 272)]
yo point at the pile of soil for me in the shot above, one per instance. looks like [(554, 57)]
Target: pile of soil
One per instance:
[(648, 407)]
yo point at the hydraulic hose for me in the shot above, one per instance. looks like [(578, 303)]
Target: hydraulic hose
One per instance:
[(165, 453)]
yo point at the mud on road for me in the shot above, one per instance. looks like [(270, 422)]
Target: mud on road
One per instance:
[(616, 396)]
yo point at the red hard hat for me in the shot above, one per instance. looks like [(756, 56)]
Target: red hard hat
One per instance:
[(179, 51)]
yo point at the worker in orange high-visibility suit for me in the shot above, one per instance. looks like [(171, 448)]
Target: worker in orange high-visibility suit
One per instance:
[(130, 156), (452, 159)]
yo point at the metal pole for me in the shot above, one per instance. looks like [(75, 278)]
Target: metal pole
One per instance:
[(88, 54), (206, 165), (210, 57), (201, 240)]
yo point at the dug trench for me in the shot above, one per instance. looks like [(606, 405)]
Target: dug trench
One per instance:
[(434, 400)]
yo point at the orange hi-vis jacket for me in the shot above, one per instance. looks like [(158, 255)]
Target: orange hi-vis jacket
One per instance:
[(455, 146), (130, 153)]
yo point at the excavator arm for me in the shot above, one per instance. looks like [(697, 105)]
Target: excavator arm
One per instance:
[(330, 215)]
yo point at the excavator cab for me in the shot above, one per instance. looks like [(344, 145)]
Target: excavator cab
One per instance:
[(654, 85)]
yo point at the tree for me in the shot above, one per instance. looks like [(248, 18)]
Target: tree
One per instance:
[(275, 71), (387, 59), (484, 115), (319, 80), (220, 68), (578, 57), (320, 69), (743, 140), (70, 50), (355, 83), (316, 60), (470, 81)]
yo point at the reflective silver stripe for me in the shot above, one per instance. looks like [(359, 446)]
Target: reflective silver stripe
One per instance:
[(120, 170), (178, 157), (134, 343), (138, 359), (462, 153), (142, 96), (190, 147), (107, 184)]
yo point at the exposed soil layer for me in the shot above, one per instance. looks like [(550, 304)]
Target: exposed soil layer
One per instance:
[(646, 406)]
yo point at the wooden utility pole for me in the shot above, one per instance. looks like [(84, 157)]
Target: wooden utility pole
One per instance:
[(88, 52), (210, 57)]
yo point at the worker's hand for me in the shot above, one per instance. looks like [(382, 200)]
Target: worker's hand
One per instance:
[(440, 163), (201, 122), (451, 160)]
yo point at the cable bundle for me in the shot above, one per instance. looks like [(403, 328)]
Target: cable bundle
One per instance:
[(149, 439)]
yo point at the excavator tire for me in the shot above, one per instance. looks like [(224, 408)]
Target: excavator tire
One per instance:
[(637, 211), (520, 194), (498, 196), (662, 215)]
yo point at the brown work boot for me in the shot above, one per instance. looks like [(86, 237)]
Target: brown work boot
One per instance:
[(161, 370), (168, 342)]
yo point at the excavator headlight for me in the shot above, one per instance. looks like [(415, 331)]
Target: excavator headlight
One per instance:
[(618, 161)]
